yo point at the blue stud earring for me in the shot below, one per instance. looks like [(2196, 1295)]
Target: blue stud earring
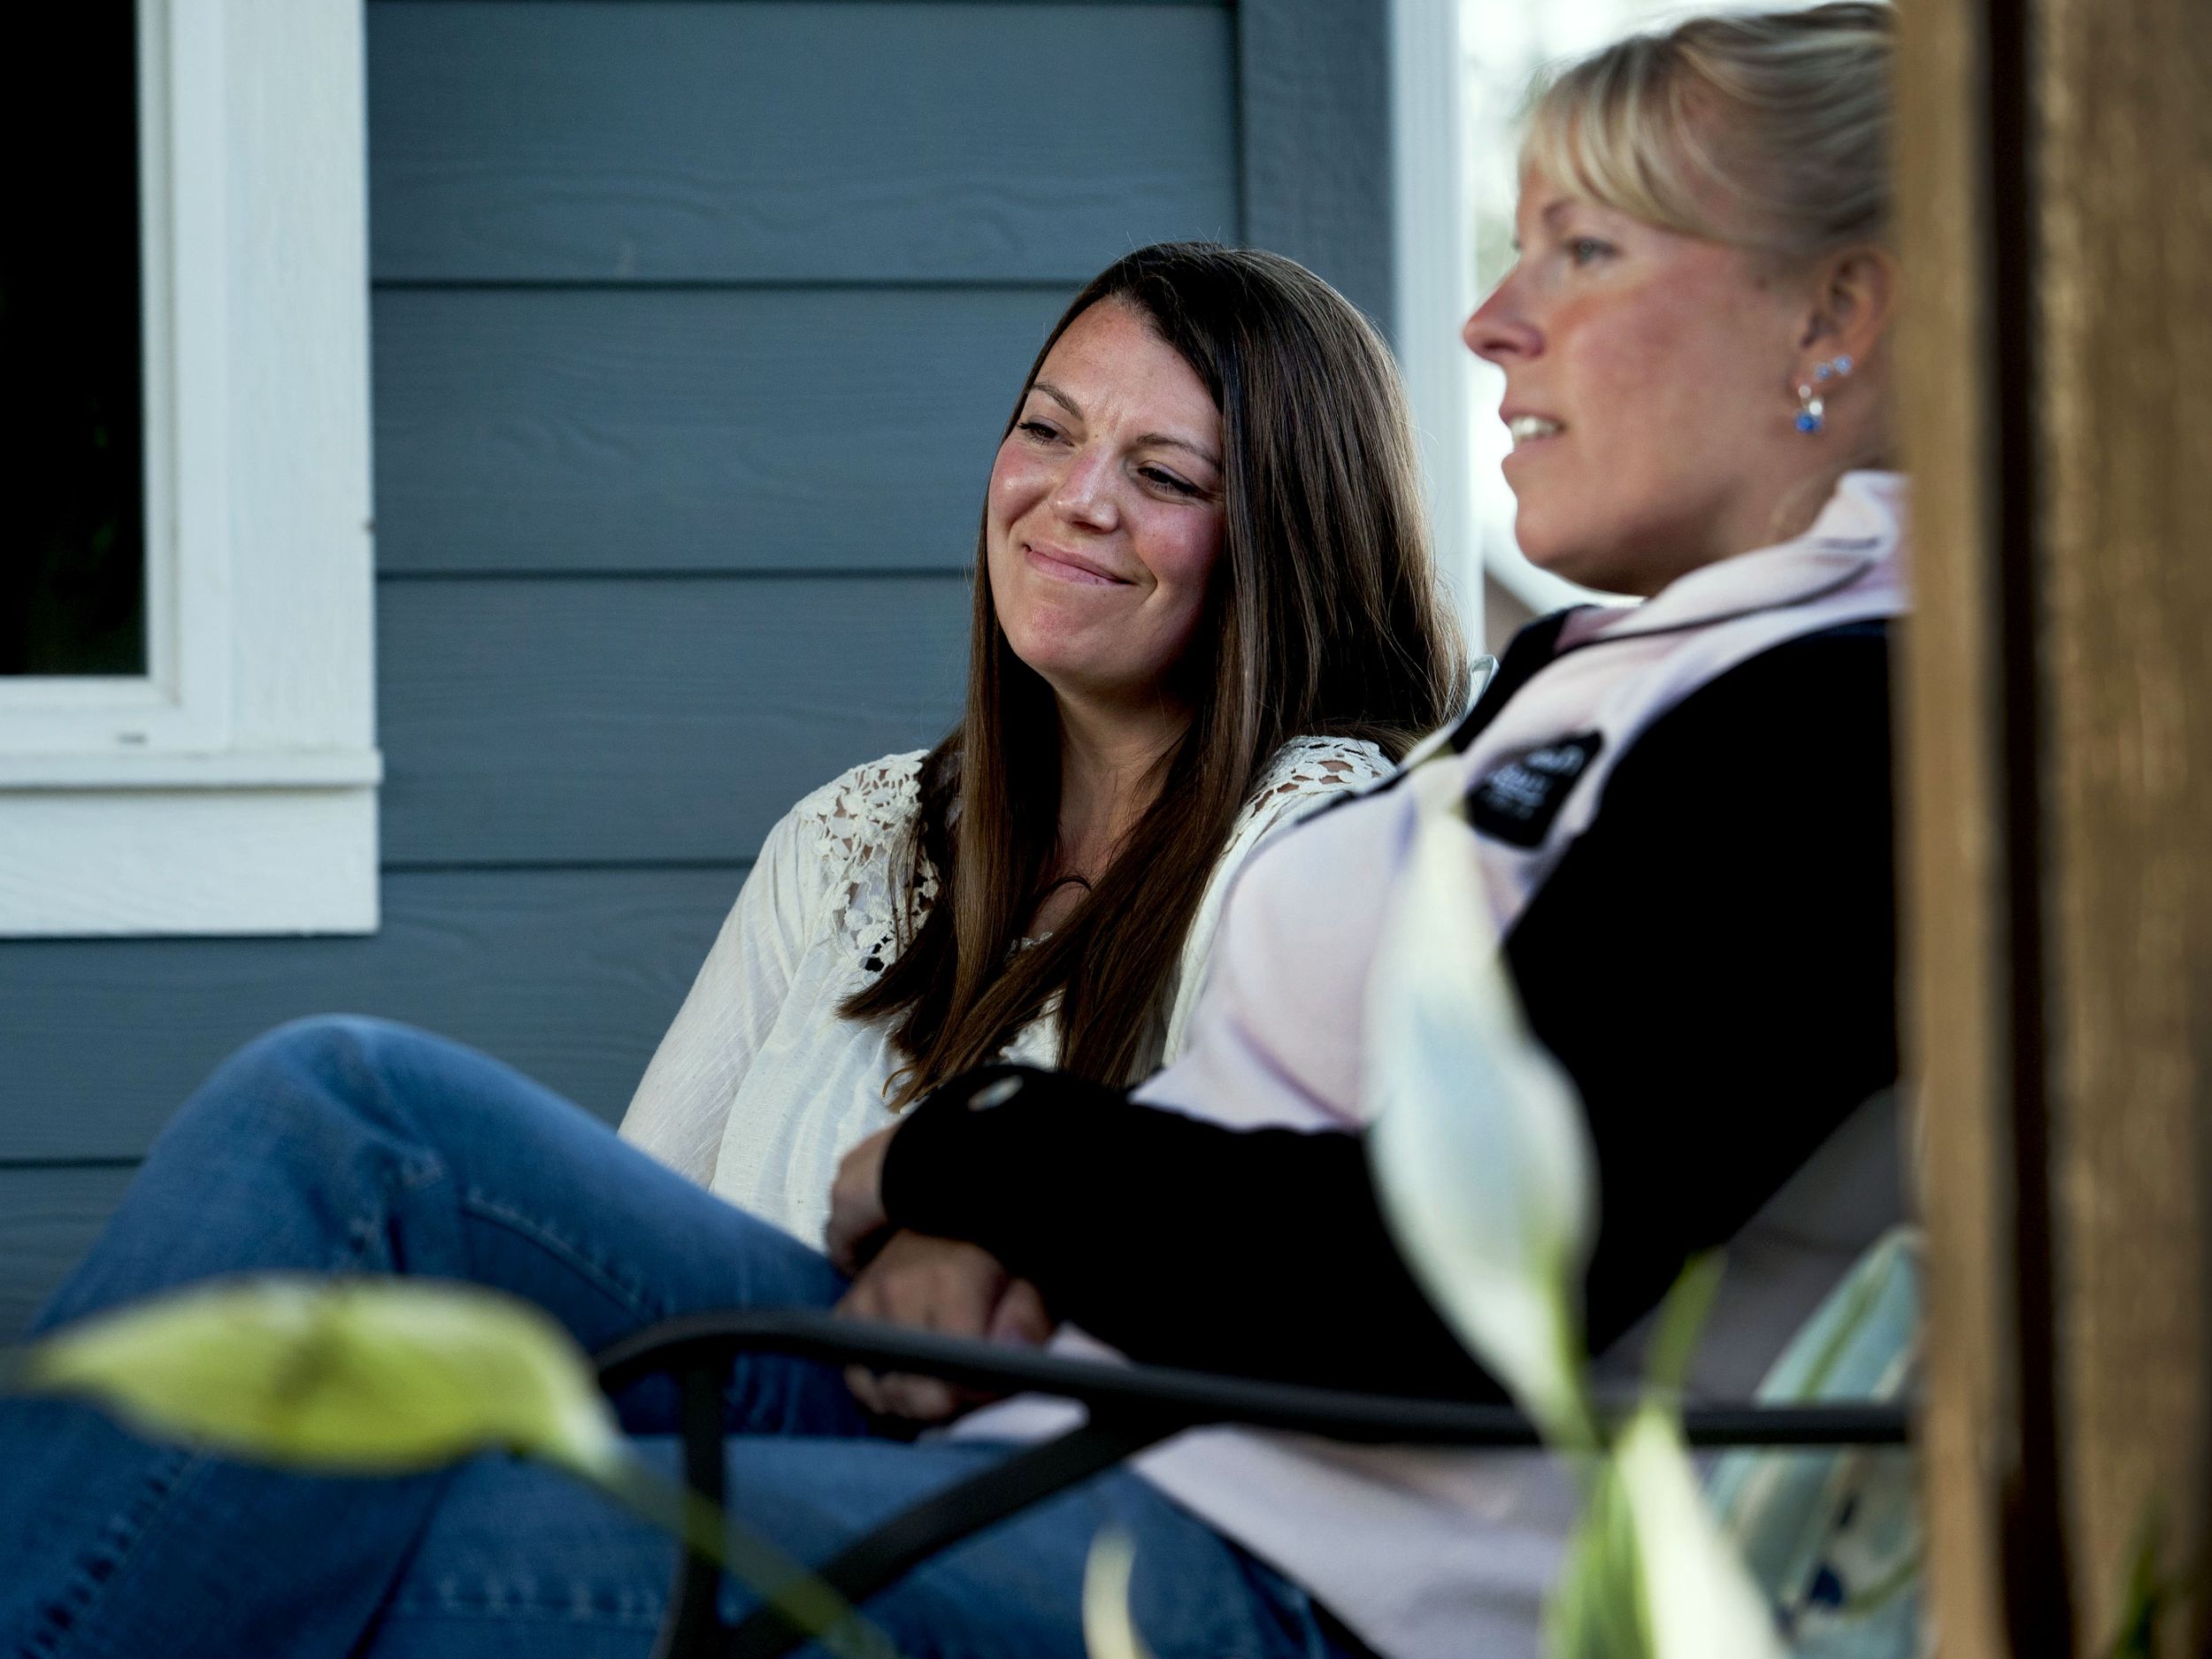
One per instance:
[(1812, 408)]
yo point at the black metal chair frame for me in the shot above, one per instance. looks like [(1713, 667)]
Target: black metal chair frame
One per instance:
[(1129, 1408)]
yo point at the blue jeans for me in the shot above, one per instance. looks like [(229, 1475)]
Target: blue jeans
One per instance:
[(346, 1146)]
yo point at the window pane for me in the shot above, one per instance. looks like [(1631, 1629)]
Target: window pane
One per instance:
[(73, 560)]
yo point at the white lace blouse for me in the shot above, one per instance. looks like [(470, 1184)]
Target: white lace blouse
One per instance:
[(760, 1086)]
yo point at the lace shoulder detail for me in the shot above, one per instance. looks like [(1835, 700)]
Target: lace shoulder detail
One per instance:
[(859, 822), (1304, 771)]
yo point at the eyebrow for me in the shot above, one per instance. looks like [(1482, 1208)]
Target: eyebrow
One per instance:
[(1163, 439), (1550, 213)]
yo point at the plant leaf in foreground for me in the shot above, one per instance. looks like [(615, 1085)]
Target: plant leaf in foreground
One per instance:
[(2147, 1599), (1109, 1629), (1596, 1608), (1479, 1147), (1698, 1601), (389, 1376), (343, 1376)]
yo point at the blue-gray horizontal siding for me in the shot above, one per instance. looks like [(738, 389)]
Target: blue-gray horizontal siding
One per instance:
[(717, 428), (793, 142), (571, 975), (1314, 87), (48, 1217), (604, 719)]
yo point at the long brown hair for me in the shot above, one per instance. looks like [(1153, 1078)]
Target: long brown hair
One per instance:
[(1325, 619)]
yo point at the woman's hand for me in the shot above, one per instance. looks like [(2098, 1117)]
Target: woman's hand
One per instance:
[(938, 1285), (857, 1223)]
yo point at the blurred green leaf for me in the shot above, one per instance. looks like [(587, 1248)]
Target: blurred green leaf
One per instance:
[(1596, 1608), (1699, 1602), (1109, 1629), (1681, 1322), (1479, 1147), (355, 1377), (1483, 1160), (391, 1376), (2147, 1597), (1599, 1608)]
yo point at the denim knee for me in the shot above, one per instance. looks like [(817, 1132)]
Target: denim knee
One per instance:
[(325, 1045), (304, 1081)]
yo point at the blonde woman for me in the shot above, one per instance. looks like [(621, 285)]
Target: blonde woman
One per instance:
[(1680, 814)]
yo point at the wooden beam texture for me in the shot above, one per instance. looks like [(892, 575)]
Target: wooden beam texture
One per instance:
[(2126, 198), (2056, 366), (1954, 919)]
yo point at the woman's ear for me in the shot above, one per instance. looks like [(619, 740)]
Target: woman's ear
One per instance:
[(1853, 296)]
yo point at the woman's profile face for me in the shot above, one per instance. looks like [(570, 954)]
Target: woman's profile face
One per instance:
[(1649, 388), (1104, 518)]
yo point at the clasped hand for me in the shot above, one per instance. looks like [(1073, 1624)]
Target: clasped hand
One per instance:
[(912, 1278)]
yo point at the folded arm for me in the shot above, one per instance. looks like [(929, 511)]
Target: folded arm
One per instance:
[(1713, 961)]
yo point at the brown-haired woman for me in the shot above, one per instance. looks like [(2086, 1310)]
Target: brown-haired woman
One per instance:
[(1204, 598)]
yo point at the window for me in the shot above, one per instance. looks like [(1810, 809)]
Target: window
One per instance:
[(1435, 280), (72, 594), (186, 718)]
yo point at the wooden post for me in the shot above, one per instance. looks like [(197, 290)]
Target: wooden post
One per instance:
[(2055, 169)]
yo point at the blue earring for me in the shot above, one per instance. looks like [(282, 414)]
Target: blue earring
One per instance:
[(1812, 408)]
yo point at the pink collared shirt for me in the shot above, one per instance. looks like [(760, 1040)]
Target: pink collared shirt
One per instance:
[(1276, 1035), (1434, 1553)]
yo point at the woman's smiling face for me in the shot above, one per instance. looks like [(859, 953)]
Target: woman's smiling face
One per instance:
[(1104, 519), (1649, 383)]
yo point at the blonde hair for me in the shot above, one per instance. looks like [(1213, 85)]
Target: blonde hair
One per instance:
[(1768, 131)]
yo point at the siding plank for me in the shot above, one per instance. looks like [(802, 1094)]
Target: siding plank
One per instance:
[(47, 1220), (622, 721), (793, 142), (732, 429), (570, 975), (1315, 78)]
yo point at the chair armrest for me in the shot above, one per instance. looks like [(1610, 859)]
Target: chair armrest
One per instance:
[(1130, 1407), (1190, 1399)]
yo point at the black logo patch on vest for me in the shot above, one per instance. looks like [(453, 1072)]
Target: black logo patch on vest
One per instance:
[(1518, 801)]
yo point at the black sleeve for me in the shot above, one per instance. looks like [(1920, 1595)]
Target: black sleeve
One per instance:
[(1713, 961), (1716, 961), (1185, 1243)]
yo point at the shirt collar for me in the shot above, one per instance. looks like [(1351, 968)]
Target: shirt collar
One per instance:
[(1860, 529)]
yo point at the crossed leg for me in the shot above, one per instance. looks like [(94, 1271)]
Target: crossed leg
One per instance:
[(346, 1146)]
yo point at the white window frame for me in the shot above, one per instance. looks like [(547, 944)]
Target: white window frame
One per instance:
[(232, 787), (1434, 279)]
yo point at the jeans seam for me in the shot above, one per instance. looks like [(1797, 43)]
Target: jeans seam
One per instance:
[(440, 1605), (108, 1552)]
